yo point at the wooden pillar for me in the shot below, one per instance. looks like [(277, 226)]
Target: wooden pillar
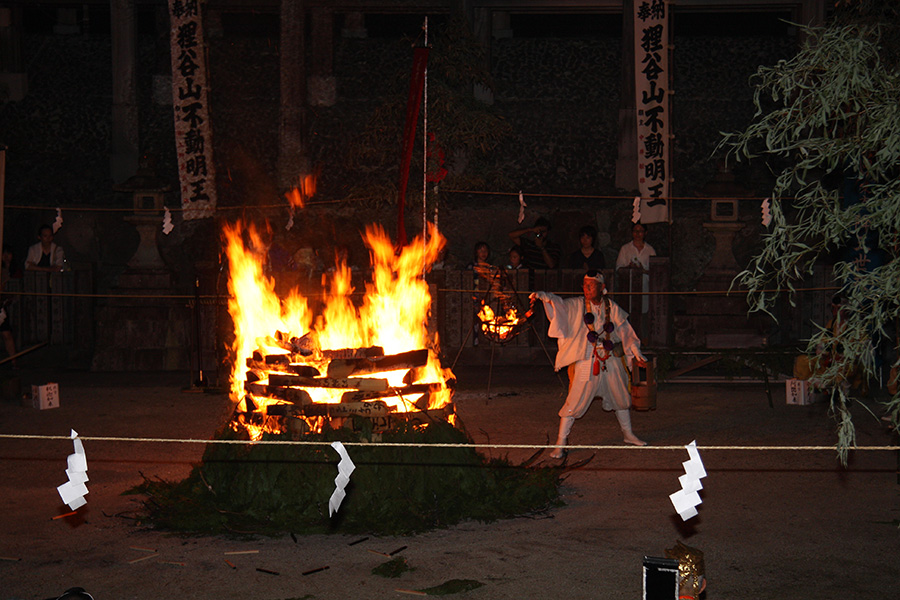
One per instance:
[(627, 159), (292, 139), (322, 86), (125, 141)]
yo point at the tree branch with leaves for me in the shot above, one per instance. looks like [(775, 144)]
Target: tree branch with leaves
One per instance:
[(827, 123)]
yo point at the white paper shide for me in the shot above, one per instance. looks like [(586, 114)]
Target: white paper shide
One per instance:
[(74, 490), (687, 499), (345, 467)]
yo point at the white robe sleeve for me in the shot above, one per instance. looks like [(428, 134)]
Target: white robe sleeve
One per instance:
[(565, 316), (630, 341)]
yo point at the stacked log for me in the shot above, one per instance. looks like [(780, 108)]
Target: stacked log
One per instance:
[(286, 379)]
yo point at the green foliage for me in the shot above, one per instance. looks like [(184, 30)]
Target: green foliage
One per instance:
[(273, 489), (831, 111)]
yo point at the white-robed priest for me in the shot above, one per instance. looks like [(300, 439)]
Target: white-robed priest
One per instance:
[(593, 334)]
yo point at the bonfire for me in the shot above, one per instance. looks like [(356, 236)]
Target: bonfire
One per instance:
[(295, 370)]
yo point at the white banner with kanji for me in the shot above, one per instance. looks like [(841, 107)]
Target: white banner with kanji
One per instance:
[(651, 74), (193, 136)]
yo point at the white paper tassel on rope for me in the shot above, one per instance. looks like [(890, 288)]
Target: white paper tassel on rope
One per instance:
[(522, 206), (290, 221), (58, 222), (167, 222), (345, 467), (73, 491), (766, 213), (687, 499), (636, 210)]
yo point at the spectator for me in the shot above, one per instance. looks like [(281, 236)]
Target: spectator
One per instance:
[(587, 257), (481, 264), (540, 252), (636, 255), (515, 259), (45, 255)]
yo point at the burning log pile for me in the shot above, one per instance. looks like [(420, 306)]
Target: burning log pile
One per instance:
[(370, 363), (373, 359), (288, 391)]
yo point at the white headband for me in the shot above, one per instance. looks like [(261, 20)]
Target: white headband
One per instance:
[(598, 276)]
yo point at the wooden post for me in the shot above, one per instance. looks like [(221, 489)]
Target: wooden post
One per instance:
[(292, 140)]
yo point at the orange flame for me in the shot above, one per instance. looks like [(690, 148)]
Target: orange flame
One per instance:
[(393, 313), (499, 327), (298, 195)]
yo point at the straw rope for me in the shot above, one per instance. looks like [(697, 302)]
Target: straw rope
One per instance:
[(206, 298), (23, 436)]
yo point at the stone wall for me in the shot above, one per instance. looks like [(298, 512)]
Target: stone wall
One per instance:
[(560, 97)]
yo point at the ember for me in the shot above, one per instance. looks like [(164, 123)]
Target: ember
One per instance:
[(295, 371)]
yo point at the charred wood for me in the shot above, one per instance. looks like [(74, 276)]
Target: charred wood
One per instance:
[(363, 409), (409, 390), (364, 384), (283, 367), (347, 353), (344, 367)]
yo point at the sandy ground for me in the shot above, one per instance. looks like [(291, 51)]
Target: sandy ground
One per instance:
[(773, 523)]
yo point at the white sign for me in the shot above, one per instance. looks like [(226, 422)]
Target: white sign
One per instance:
[(193, 138), (651, 83)]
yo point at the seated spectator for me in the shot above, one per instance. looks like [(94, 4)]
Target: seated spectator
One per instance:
[(540, 252), (587, 257), (45, 255), (482, 266), (515, 260)]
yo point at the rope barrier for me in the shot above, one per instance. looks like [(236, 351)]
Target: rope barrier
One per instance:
[(217, 299), (313, 203), (173, 209), (670, 293), (629, 198), (414, 445)]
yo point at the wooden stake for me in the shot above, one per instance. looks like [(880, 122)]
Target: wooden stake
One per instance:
[(311, 571), (140, 558)]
